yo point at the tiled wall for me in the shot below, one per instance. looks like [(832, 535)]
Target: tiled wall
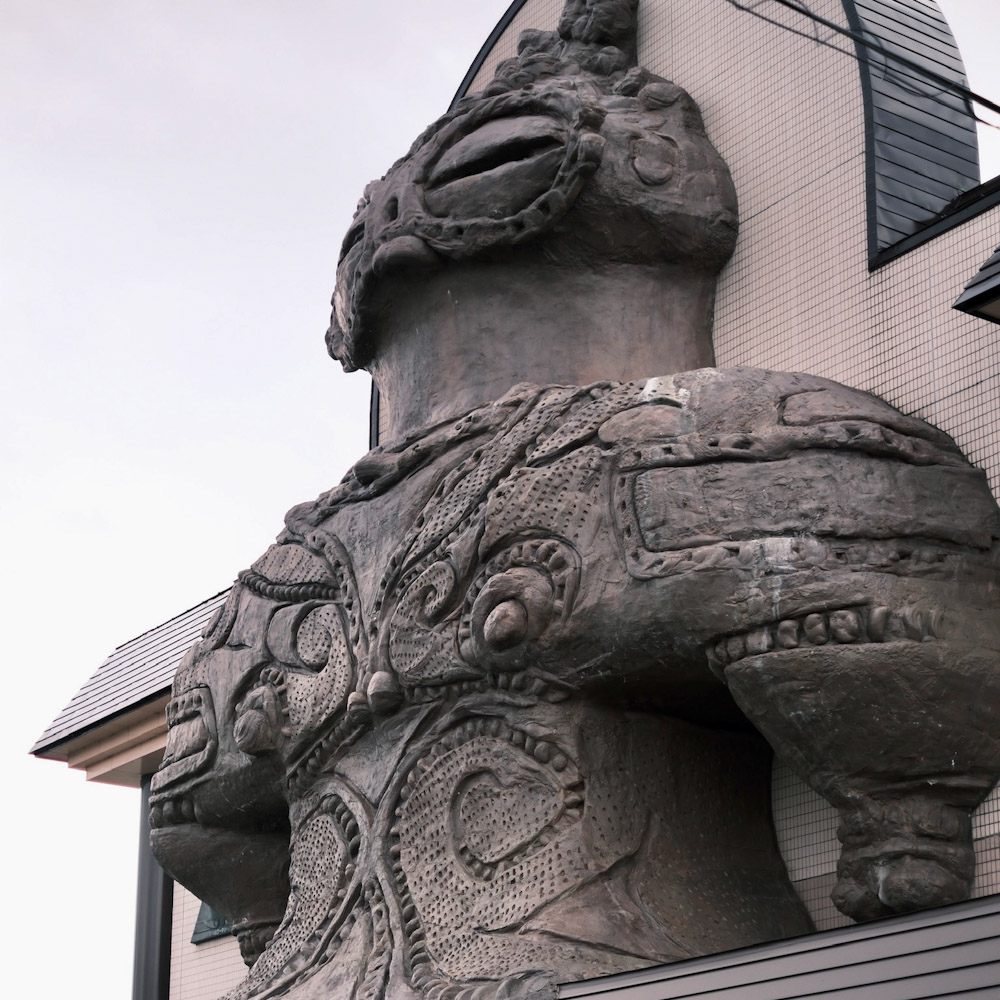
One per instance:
[(200, 971), (786, 112), (934, 360)]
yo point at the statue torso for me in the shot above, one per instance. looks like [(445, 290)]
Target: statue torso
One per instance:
[(477, 683)]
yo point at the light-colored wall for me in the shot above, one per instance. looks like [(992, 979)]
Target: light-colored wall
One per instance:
[(200, 971), (786, 113)]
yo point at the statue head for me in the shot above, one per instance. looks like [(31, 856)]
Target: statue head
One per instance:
[(572, 153)]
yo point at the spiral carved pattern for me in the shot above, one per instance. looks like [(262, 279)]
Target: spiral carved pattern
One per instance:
[(522, 594), (485, 828)]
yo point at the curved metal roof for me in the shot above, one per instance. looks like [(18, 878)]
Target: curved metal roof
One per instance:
[(922, 150)]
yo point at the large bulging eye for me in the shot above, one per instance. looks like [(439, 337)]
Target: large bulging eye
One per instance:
[(498, 169)]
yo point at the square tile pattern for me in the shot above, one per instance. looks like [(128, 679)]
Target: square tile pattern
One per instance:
[(200, 971)]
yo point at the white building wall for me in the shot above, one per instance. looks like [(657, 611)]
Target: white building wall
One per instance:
[(200, 971), (786, 112)]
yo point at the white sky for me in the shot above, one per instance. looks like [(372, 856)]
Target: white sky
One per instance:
[(177, 176)]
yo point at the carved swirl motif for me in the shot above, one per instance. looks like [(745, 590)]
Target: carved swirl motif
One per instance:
[(319, 914), (417, 650), (480, 828)]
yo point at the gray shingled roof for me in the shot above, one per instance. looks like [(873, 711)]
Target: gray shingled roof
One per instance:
[(134, 673)]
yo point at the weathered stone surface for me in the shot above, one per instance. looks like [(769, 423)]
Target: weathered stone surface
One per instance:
[(495, 712), (500, 699)]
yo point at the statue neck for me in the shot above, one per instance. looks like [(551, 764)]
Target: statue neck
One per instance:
[(461, 336)]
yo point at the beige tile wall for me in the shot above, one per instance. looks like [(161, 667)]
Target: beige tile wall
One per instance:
[(200, 971), (786, 112)]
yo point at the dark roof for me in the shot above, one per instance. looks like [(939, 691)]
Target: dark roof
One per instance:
[(946, 952), (134, 673), (920, 129), (984, 286)]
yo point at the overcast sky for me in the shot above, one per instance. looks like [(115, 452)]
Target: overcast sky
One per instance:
[(177, 176)]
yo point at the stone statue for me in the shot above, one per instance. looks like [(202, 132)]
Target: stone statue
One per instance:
[(498, 710)]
